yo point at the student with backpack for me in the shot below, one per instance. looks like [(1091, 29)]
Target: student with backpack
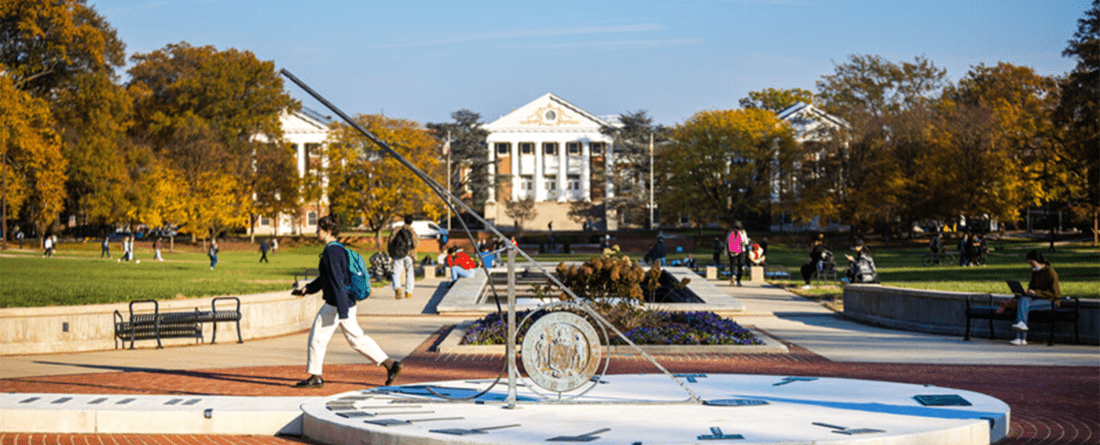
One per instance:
[(402, 248), (336, 283), (737, 243)]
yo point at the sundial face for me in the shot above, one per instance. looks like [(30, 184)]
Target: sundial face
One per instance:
[(561, 351)]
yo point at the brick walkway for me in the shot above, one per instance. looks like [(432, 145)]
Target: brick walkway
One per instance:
[(1050, 405)]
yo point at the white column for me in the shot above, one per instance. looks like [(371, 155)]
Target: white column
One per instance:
[(516, 174), (492, 170), (586, 171), (563, 171), (540, 189)]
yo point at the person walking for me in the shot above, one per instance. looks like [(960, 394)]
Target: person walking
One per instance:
[(402, 247), (105, 248), (157, 244), (738, 242), (212, 252), (47, 244), (263, 252), (338, 311)]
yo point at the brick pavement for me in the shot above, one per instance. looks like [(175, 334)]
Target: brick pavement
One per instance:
[(1050, 405)]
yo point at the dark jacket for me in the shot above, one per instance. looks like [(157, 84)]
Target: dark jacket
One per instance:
[(332, 279), (1045, 283)]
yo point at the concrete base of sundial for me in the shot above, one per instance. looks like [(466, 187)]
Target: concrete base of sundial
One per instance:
[(655, 409)]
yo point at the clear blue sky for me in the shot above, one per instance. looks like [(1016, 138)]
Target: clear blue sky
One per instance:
[(423, 60)]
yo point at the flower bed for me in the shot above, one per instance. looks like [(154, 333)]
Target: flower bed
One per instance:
[(643, 327)]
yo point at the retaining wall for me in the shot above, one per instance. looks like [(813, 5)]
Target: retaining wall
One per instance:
[(91, 327), (938, 312)]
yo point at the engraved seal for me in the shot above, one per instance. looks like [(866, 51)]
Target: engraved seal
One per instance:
[(561, 351)]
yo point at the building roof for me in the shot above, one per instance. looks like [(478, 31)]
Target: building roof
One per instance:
[(548, 112), (807, 120)]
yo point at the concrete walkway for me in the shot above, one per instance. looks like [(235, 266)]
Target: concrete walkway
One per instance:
[(400, 326)]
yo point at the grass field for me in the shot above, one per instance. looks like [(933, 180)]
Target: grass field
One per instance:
[(76, 274)]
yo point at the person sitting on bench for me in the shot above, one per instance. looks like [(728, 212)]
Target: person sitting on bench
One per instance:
[(1042, 291)]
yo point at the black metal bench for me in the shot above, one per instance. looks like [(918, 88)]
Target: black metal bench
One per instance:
[(187, 324), (986, 309)]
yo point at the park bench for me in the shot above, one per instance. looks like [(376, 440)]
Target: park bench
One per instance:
[(304, 277), (184, 324), (826, 272), (986, 309)]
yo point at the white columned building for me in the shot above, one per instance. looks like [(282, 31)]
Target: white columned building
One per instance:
[(307, 132), (549, 148)]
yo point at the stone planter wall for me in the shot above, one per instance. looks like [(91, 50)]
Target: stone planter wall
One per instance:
[(938, 312), (91, 327)]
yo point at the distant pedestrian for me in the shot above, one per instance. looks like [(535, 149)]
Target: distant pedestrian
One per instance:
[(157, 245), (338, 311), (47, 244), (274, 246), (738, 242), (212, 252), (105, 247), (19, 237), (263, 252), (128, 248), (402, 248), (719, 248), (819, 252)]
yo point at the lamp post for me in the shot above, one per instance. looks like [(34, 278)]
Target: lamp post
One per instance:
[(447, 152), (651, 204)]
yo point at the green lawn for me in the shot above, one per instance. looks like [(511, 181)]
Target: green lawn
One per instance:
[(76, 275)]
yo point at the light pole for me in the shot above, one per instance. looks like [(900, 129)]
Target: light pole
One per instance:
[(447, 152), (651, 204)]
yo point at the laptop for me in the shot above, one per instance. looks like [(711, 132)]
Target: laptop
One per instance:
[(1016, 287)]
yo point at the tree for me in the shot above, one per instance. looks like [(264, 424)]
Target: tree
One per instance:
[(862, 175), (215, 105), (469, 156), (276, 182), (628, 164), (1078, 114), (994, 142), (32, 174), (776, 100), (65, 53), (721, 165), (364, 182)]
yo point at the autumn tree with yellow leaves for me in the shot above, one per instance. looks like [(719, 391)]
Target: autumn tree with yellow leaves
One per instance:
[(368, 185), (32, 174), (721, 165)]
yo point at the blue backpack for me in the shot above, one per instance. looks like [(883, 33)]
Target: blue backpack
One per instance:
[(358, 275)]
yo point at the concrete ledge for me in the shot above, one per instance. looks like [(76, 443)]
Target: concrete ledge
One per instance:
[(450, 345), (130, 414), (944, 313), (91, 327)]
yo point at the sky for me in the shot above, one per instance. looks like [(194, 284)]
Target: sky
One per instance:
[(423, 60)]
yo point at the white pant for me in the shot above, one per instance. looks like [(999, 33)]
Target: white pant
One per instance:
[(404, 266), (325, 325)]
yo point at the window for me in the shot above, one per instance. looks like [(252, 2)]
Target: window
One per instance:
[(550, 148), (527, 148), (313, 156), (526, 183), (597, 148), (551, 183), (550, 115), (573, 148), (504, 148), (574, 182), (265, 221), (311, 219)]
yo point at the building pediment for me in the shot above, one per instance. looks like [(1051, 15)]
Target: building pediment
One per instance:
[(547, 113)]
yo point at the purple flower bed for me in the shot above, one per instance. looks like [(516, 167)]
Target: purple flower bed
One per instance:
[(660, 328)]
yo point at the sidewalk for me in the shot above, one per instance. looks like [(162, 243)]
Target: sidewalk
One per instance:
[(1054, 391)]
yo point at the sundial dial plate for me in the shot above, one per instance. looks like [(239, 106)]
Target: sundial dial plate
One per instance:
[(561, 351)]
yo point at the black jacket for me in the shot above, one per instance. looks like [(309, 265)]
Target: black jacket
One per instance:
[(332, 279)]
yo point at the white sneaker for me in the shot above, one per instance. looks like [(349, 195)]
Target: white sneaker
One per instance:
[(1020, 326), (807, 287), (1018, 342)]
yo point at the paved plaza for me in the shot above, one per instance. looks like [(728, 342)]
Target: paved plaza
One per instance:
[(1053, 392)]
